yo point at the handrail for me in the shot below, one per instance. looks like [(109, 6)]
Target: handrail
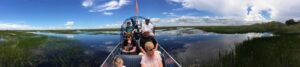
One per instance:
[(170, 56), (110, 54)]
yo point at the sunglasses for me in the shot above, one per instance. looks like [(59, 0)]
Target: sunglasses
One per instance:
[(151, 49)]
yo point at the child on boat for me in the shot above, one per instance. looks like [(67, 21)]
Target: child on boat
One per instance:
[(118, 62)]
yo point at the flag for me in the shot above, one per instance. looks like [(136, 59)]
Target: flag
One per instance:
[(136, 7)]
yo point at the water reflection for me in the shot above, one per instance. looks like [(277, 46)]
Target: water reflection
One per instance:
[(195, 47), (256, 35), (104, 41), (2, 39), (69, 35), (55, 34)]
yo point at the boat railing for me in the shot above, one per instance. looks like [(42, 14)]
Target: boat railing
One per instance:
[(111, 56), (168, 61)]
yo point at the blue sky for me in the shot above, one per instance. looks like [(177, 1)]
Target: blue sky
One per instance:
[(55, 13), (60, 14)]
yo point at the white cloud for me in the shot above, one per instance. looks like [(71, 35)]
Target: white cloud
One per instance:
[(169, 14), (254, 16), (116, 25), (11, 26), (104, 7), (224, 7), (112, 5), (279, 9), (155, 20), (87, 3), (108, 13), (200, 21), (69, 24), (192, 21)]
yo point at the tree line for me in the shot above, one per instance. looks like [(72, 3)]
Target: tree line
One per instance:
[(291, 22)]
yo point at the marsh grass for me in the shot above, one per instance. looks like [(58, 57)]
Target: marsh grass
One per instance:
[(278, 51), (22, 49), (272, 27), (15, 50)]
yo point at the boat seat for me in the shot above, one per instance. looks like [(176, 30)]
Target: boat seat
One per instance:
[(134, 60), (131, 60)]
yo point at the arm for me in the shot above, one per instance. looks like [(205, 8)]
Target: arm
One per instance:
[(124, 51), (143, 62), (153, 30), (156, 43), (142, 50), (143, 65), (133, 49), (156, 47), (160, 64), (134, 30)]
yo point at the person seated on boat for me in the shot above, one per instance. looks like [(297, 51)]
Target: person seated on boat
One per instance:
[(152, 57), (118, 62), (129, 46), (129, 28), (148, 27), (137, 30), (145, 38), (139, 26)]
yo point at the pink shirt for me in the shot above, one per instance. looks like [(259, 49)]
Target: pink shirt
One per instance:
[(151, 62)]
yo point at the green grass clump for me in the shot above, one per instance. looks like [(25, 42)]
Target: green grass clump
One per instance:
[(278, 51)]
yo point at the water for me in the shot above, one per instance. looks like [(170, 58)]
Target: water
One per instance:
[(1, 39), (190, 47), (92, 48), (195, 48)]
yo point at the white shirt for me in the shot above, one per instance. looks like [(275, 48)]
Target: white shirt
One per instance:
[(149, 28), (151, 62)]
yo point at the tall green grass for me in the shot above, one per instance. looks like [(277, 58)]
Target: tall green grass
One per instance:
[(278, 51)]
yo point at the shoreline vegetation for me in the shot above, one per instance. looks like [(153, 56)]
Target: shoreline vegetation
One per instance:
[(289, 27)]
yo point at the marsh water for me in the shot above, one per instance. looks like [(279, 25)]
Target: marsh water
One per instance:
[(190, 47)]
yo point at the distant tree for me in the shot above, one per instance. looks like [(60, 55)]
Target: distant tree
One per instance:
[(297, 22), (290, 22), (275, 24)]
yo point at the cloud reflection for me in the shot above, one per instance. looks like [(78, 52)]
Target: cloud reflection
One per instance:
[(69, 35), (2, 39), (184, 32), (199, 47)]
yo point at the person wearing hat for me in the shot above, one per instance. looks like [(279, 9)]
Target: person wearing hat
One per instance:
[(148, 27)]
